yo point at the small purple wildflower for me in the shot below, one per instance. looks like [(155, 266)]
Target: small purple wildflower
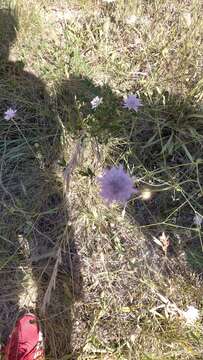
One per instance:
[(9, 114), (116, 185), (132, 102)]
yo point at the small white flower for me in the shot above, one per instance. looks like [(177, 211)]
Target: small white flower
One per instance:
[(9, 114), (198, 219), (191, 315), (96, 102)]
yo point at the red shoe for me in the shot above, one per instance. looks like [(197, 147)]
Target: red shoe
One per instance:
[(26, 340)]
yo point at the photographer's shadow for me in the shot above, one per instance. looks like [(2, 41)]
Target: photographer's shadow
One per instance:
[(39, 261)]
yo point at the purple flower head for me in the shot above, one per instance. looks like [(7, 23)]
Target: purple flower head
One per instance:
[(132, 102), (116, 185), (9, 114)]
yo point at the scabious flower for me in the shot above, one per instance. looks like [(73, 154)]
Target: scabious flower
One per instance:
[(9, 114), (132, 102), (198, 219), (116, 185), (191, 315), (96, 102)]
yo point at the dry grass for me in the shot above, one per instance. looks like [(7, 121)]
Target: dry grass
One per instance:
[(114, 285)]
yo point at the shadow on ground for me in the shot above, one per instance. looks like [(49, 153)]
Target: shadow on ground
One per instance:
[(39, 264)]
